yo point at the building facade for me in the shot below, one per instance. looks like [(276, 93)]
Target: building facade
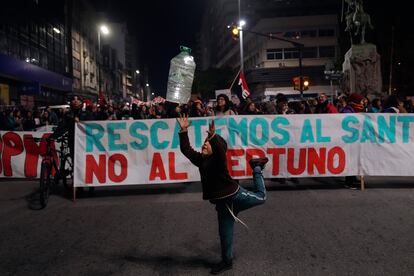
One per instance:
[(52, 50), (34, 62), (84, 48), (270, 64), (133, 74), (125, 46)]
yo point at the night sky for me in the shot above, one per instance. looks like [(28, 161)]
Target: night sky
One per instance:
[(384, 16), (161, 27)]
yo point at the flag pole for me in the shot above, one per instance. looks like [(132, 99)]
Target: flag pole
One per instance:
[(231, 86)]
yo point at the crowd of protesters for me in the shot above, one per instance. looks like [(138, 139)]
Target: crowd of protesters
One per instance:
[(20, 119)]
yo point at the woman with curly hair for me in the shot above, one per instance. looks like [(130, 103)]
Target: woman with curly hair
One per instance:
[(223, 105)]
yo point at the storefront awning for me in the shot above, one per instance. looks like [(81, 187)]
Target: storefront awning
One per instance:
[(29, 73)]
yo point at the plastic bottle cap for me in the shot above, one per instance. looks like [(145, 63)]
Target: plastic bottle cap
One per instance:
[(185, 49)]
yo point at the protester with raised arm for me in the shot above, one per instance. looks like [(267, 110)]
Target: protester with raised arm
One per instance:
[(219, 187)]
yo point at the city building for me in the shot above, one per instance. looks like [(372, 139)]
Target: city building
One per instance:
[(34, 64), (125, 46), (133, 74), (84, 48), (52, 50), (271, 64), (112, 73)]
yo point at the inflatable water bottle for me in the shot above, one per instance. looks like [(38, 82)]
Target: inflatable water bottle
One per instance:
[(180, 78)]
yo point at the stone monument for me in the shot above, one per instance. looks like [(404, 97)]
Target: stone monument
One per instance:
[(362, 64)]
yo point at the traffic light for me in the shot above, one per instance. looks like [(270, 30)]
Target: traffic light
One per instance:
[(305, 83), (235, 31), (296, 82)]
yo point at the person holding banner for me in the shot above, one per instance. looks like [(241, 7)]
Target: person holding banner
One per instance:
[(282, 105), (223, 106), (324, 106), (67, 124), (355, 105), (219, 187)]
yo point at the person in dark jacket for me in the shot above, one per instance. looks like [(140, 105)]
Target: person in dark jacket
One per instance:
[(135, 111), (10, 123), (282, 105), (219, 187), (392, 104), (68, 123), (355, 105), (29, 123)]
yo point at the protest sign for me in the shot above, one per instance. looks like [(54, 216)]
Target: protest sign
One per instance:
[(21, 156), (147, 151)]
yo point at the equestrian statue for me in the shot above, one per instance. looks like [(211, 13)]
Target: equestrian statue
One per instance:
[(356, 20)]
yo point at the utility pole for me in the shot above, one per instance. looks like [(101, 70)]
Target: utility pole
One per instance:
[(105, 31), (99, 62), (391, 60), (241, 40), (300, 70), (299, 47)]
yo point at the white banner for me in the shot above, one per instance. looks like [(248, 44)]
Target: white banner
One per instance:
[(147, 151), (20, 155)]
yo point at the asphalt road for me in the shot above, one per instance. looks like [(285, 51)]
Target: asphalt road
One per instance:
[(315, 228)]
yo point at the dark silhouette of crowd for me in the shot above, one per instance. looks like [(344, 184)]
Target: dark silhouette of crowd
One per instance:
[(22, 119)]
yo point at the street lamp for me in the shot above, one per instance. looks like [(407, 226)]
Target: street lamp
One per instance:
[(238, 33), (137, 83), (297, 45), (105, 31), (148, 91), (241, 24)]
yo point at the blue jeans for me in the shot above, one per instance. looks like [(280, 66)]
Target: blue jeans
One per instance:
[(242, 200)]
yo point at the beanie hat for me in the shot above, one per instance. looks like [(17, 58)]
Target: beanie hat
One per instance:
[(355, 98)]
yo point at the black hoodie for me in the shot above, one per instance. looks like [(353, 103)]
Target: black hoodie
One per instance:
[(215, 178)]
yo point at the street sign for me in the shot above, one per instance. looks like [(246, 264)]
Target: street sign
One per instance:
[(333, 75)]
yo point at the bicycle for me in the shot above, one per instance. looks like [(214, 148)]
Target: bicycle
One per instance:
[(58, 160), (66, 163)]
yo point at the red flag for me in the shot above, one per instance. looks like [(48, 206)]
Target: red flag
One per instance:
[(244, 87), (101, 99)]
